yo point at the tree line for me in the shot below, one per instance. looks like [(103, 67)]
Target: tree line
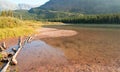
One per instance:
[(89, 19), (7, 13)]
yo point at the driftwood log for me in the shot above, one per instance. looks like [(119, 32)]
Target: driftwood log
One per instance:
[(4, 54), (4, 69), (3, 47), (13, 60), (28, 39)]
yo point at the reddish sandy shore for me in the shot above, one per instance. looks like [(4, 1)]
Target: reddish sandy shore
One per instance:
[(53, 32), (69, 50)]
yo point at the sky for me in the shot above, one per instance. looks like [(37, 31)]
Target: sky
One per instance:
[(32, 2)]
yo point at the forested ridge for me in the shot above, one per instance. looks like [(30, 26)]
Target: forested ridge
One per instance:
[(74, 11), (104, 19)]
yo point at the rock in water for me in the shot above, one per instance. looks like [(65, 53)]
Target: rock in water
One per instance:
[(14, 49), (10, 54)]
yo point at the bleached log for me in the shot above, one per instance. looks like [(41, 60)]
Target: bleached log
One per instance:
[(4, 45), (13, 59), (29, 39), (4, 69), (1, 49)]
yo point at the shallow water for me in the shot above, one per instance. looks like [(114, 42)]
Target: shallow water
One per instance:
[(38, 53)]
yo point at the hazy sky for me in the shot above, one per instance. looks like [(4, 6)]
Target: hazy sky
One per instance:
[(33, 2)]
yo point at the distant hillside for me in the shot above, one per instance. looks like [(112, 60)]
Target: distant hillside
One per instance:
[(83, 6), (25, 15), (34, 14), (24, 6), (50, 14)]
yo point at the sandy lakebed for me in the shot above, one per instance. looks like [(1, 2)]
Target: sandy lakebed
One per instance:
[(70, 49)]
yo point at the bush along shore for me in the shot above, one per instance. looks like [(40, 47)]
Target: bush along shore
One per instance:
[(13, 27)]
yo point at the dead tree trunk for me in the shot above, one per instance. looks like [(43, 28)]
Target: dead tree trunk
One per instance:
[(29, 39), (13, 59), (4, 69), (4, 45)]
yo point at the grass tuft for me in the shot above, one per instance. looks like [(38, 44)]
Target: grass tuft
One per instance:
[(13, 27), (10, 22)]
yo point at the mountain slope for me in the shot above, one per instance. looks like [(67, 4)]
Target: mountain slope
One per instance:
[(24, 6), (83, 6)]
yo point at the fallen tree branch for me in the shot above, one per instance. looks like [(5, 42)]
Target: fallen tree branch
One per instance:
[(28, 39), (4, 69), (13, 58), (4, 45), (14, 61)]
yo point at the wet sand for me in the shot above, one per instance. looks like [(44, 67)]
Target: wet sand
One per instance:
[(53, 32)]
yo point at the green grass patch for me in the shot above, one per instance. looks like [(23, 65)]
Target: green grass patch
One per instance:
[(10, 22), (1, 56), (13, 27), (15, 32)]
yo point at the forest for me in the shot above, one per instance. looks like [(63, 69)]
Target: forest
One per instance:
[(72, 18), (91, 19)]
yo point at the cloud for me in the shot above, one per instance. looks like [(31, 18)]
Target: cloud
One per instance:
[(33, 2)]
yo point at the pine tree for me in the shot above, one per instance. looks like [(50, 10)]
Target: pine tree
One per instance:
[(10, 13), (3, 13)]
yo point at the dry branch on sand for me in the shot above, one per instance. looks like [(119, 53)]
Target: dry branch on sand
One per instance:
[(3, 47), (11, 59)]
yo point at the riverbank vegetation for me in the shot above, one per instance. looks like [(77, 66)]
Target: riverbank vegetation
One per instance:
[(13, 27)]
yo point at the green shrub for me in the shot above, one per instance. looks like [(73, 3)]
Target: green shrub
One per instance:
[(13, 27), (10, 22), (15, 32), (1, 56)]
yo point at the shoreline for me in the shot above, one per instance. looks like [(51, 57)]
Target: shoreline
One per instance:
[(81, 57)]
